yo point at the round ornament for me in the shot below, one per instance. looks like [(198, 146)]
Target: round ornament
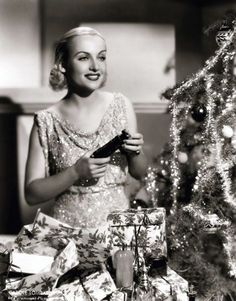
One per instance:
[(199, 112), (223, 35), (164, 172), (233, 143), (182, 157), (227, 131)]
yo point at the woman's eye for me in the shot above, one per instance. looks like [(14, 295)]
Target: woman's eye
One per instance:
[(83, 58), (102, 58)]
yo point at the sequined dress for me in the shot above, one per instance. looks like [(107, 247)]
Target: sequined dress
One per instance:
[(85, 204)]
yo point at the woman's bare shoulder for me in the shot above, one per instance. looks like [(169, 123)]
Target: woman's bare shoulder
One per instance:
[(55, 108), (108, 96)]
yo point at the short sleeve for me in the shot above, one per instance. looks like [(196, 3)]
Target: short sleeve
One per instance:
[(40, 119)]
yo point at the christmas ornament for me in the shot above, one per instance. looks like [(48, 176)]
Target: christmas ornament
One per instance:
[(227, 131), (199, 112), (182, 157), (223, 35), (190, 121), (163, 172), (233, 143), (212, 223), (138, 204)]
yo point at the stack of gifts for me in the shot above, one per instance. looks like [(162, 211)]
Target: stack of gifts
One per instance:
[(143, 233), (126, 260), (53, 261)]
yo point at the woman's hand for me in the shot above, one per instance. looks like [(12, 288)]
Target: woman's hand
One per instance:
[(88, 168), (133, 145)]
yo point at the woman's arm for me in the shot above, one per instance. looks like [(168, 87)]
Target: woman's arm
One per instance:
[(137, 161), (39, 189)]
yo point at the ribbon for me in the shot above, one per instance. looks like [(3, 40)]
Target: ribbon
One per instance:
[(145, 222)]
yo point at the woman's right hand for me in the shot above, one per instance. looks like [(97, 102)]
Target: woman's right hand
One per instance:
[(88, 168)]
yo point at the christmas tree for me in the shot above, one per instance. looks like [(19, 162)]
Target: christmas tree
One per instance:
[(194, 177)]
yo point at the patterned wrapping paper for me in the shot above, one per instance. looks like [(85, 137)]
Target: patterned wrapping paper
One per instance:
[(43, 283), (99, 285), (173, 280), (145, 227), (95, 287), (118, 296), (69, 292), (49, 236)]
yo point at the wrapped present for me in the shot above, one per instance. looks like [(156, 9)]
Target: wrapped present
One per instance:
[(49, 236), (99, 285), (173, 284), (69, 292), (38, 263), (118, 296), (143, 229), (43, 283), (94, 287)]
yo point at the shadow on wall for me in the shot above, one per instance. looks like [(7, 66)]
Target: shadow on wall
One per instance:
[(10, 220)]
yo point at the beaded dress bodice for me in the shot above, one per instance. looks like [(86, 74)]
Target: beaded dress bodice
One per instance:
[(86, 203)]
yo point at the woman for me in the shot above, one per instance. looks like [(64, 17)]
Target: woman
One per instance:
[(65, 135)]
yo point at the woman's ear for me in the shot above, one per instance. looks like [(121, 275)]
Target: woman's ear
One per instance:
[(61, 68)]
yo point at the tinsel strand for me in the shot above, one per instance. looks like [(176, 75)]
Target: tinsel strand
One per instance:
[(229, 245), (151, 185), (222, 169), (175, 173), (210, 105)]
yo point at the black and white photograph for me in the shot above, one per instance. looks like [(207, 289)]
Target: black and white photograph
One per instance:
[(118, 150)]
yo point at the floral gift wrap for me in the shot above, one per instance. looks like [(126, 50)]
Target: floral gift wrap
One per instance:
[(94, 287), (171, 283), (43, 283), (99, 285), (48, 236), (142, 228), (69, 292), (118, 296)]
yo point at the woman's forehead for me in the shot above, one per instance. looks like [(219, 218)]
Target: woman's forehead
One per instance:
[(86, 43)]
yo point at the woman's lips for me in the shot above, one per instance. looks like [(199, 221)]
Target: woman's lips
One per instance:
[(93, 76)]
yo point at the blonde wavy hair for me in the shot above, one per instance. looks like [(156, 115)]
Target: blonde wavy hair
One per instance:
[(57, 77)]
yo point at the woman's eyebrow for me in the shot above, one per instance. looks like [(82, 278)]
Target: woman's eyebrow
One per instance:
[(85, 52), (79, 52)]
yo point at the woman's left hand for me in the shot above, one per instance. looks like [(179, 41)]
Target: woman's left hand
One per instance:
[(133, 145)]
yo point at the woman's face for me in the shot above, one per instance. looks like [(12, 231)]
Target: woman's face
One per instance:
[(86, 64)]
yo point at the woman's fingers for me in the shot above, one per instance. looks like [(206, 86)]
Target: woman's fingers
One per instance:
[(134, 142), (99, 161), (132, 148), (99, 175), (95, 168), (136, 139), (99, 172)]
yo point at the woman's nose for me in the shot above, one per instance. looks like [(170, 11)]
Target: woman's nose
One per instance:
[(93, 65)]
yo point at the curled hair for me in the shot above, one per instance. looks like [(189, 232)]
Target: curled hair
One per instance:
[(57, 78)]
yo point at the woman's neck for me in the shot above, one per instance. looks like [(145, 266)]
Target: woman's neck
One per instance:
[(81, 100)]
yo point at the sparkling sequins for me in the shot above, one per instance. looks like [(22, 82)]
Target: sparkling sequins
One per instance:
[(85, 204)]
